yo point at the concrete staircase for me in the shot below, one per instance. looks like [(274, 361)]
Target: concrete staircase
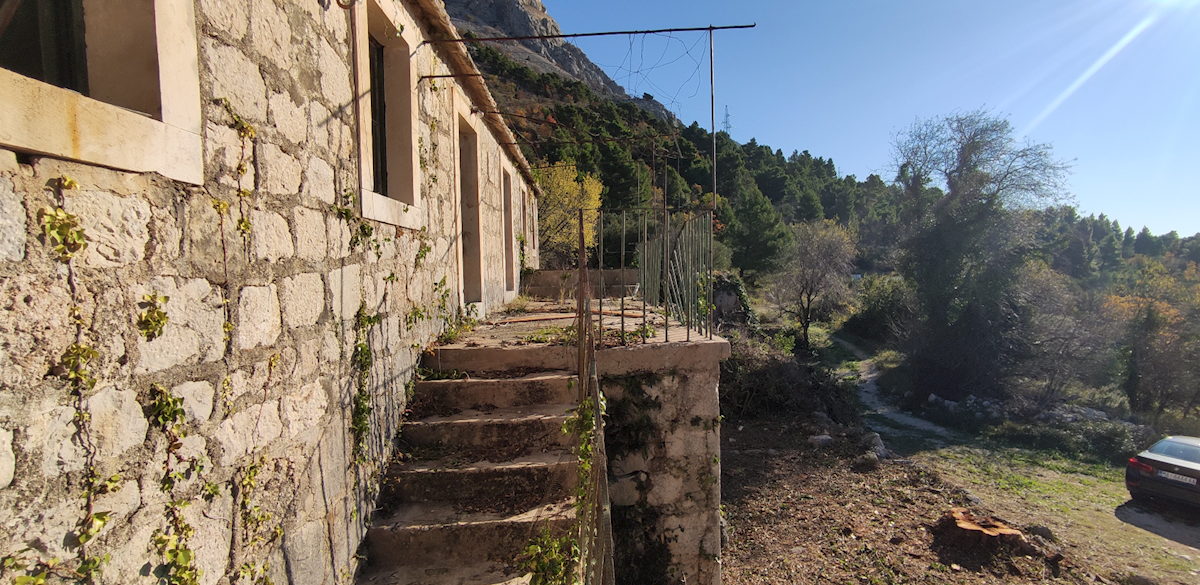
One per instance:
[(488, 467)]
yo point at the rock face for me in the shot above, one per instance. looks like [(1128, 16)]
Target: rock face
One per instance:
[(524, 18)]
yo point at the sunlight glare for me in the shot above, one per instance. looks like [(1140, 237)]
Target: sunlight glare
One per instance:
[(1100, 63)]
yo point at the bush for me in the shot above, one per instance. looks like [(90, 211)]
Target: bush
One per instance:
[(1101, 441), (883, 301), (761, 378)]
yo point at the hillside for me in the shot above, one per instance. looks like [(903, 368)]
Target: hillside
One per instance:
[(525, 18)]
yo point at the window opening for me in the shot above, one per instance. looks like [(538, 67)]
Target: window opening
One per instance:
[(509, 276), (44, 39), (472, 235), (379, 160)]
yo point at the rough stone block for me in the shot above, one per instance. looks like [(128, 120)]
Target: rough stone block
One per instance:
[(242, 381), (272, 240), (664, 489), (303, 298), (318, 180), (624, 491), (306, 358), (8, 461), (270, 34), (308, 226), (258, 316), (195, 325), (236, 78), (8, 162), (629, 463), (117, 421), (213, 535), (248, 431), (122, 502), (318, 119), (290, 119), (345, 287), (335, 76), (54, 519), (223, 141), (303, 409), (197, 399), (129, 556), (280, 169), (329, 347), (12, 223), (332, 460), (53, 433), (116, 227), (338, 234), (307, 550), (229, 17)]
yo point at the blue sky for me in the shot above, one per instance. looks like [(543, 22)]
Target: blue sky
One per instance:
[(1113, 85)]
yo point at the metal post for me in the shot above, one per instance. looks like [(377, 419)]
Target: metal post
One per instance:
[(708, 299), (581, 291), (600, 255), (712, 86), (644, 270), (666, 267), (689, 274), (622, 277)]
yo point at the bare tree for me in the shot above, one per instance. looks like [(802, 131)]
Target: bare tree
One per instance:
[(816, 274)]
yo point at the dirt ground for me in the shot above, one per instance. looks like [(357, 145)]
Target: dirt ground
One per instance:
[(800, 514)]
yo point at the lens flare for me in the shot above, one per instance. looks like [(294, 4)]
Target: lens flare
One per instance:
[(1099, 64)]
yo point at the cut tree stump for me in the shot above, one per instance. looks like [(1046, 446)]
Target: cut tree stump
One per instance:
[(961, 526)]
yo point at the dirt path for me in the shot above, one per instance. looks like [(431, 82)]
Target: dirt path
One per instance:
[(1086, 506), (886, 419)]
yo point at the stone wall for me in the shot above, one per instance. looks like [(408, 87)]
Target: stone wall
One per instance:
[(261, 346), (664, 443)]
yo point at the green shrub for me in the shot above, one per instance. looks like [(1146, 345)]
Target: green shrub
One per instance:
[(760, 378), (1100, 441), (883, 301)]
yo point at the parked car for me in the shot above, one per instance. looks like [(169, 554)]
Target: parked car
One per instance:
[(1168, 469)]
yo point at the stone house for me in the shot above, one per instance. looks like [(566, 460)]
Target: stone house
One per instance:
[(227, 230)]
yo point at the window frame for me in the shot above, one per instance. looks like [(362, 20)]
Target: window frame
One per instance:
[(383, 22), (48, 120)]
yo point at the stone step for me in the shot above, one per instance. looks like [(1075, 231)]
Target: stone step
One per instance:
[(445, 397), (511, 431), (478, 360), (531, 478), (421, 533), (487, 574)]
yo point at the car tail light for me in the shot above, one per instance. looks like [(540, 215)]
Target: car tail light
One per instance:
[(1141, 468)]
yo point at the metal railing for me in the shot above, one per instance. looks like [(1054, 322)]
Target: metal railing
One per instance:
[(594, 511), (674, 265), (672, 251)]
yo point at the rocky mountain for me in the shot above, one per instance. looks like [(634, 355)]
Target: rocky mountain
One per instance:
[(523, 18)]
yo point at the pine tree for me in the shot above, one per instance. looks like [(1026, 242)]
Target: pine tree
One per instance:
[(759, 235)]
